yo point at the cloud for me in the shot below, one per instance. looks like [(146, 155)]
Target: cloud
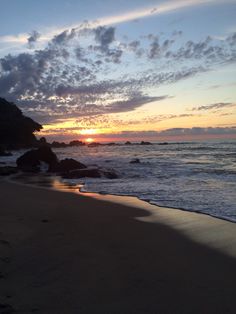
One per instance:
[(162, 8), (219, 105), (34, 36), (104, 36), (199, 131), (65, 36), (131, 104), (67, 77), (195, 131)]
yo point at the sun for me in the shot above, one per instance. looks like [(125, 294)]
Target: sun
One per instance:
[(89, 140)]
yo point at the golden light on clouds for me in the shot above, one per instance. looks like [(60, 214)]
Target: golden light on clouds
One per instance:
[(89, 131)]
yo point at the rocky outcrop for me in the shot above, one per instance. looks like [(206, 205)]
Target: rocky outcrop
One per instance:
[(76, 143), (58, 144), (145, 143), (31, 160), (66, 165), (16, 130), (67, 168)]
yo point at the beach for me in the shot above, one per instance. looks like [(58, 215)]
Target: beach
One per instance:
[(67, 253)]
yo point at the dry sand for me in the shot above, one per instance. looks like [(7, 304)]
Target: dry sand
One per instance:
[(67, 253)]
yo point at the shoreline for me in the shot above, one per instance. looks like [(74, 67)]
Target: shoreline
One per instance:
[(71, 253), (199, 227), (119, 198)]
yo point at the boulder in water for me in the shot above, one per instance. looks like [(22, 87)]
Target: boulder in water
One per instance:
[(66, 165), (30, 161)]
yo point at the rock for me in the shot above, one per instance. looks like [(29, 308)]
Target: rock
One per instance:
[(47, 155), (128, 143), (82, 173), (145, 143), (76, 143), (164, 143), (7, 170), (135, 161), (58, 144), (66, 165), (110, 174), (16, 130), (29, 161), (94, 144)]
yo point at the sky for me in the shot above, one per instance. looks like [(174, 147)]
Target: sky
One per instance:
[(122, 70)]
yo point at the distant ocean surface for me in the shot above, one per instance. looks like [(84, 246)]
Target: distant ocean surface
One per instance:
[(197, 176)]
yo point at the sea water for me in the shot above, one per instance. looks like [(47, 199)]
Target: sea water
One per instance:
[(196, 176)]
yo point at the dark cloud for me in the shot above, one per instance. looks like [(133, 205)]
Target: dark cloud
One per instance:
[(131, 104), (232, 39), (65, 36), (199, 131), (219, 105), (67, 77), (104, 36), (32, 39), (157, 49)]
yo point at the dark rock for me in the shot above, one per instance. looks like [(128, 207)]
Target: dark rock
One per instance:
[(164, 143), (94, 144), (45, 154), (7, 170), (135, 161), (43, 141), (66, 165), (82, 173), (16, 130), (110, 174), (145, 143), (128, 143), (76, 143), (29, 161), (58, 144)]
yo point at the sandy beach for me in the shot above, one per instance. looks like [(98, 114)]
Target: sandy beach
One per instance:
[(68, 253)]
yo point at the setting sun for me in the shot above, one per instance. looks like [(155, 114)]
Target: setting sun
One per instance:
[(89, 140)]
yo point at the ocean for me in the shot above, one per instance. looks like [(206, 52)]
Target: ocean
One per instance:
[(196, 176)]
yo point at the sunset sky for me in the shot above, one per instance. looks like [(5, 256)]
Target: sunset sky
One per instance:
[(121, 70)]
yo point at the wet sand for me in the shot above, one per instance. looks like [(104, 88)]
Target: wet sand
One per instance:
[(68, 253)]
